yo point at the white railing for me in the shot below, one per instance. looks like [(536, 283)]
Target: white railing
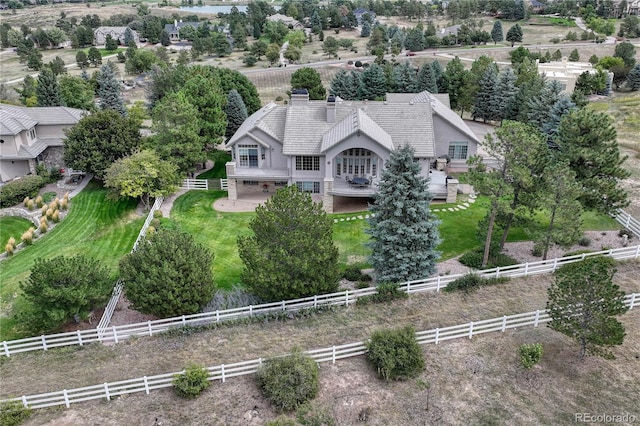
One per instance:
[(195, 184), (223, 372), (117, 289), (628, 221), (117, 333), (224, 184)]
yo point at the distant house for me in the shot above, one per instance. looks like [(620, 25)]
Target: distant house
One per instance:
[(325, 146), (633, 7), (117, 33), (537, 7), (566, 72), (32, 136), (361, 11), (174, 29), (287, 20)]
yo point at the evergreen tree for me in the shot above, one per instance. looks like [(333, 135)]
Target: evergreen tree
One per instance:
[(109, 91), (454, 80), (354, 82), (128, 37), (557, 55), (291, 252), (560, 198), (496, 32), (414, 40), (587, 140), (309, 78), (27, 91), (404, 231), (82, 60), (404, 78), (47, 90), (94, 57), (583, 304), (439, 73), (539, 106), (374, 83), (562, 106), (427, 79), (574, 56), (340, 85), (365, 31), (504, 98), (484, 106), (57, 66), (111, 44), (165, 40), (514, 35), (633, 79), (236, 112), (627, 52)]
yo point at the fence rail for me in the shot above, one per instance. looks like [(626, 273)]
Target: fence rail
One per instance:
[(205, 184), (223, 372), (117, 333), (628, 221)]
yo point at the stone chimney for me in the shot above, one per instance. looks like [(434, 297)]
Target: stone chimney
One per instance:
[(331, 109), (299, 97)]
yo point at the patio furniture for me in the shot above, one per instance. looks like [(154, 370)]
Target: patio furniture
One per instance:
[(360, 182)]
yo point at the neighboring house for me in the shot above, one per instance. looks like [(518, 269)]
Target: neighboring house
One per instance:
[(537, 7), (174, 29), (566, 72), (322, 145), (361, 11), (633, 7), (287, 20), (32, 136), (117, 33), (449, 31)]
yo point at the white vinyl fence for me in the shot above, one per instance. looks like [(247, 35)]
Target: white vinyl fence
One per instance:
[(223, 372), (117, 289), (629, 222), (205, 184), (117, 333)]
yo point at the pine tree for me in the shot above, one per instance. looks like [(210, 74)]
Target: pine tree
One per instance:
[(427, 79), (404, 78), (354, 82), (504, 98), (374, 83), (109, 91), (454, 81), (539, 106), (415, 40), (94, 57), (496, 32), (574, 56), (82, 60), (514, 35), (48, 91), (439, 73), (365, 31), (128, 36), (563, 105), (484, 103), (165, 40), (404, 232), (583, 303), (236, 112), (339, 84), (633, 79), (111, 44)]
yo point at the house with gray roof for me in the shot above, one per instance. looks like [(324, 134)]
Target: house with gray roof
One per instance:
[(32, 136), (323, 147), (174, 29), (116, 33)]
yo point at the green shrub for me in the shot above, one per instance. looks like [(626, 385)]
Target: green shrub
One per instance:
[(308, 415), (13, 413), (623, 232), (395, 353), (192, 382), (155, 223), (352, 273), (289, 381), (576, 252), (530, 354), (538, 249), (470, 282), (584, 241), (473, 259), (49, 196), (157, 214), (14, 192), (281, 420), (387, 292)]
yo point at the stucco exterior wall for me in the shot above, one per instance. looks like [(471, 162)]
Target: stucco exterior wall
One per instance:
[(445, 133), (10, 169), (10, 145), (54, 131)]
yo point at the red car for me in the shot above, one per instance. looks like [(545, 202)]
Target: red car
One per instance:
[(410, 53)]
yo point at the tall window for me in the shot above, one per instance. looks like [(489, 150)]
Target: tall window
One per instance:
[(356, 161), (248, 155), (458, 150), (307, 162), (312, 187)]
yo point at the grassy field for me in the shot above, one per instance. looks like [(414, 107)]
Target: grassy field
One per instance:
[(12, 227), (94, 226), (476, 381)]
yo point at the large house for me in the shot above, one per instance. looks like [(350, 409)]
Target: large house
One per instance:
[(116, 33), (287, 20), (174, 29), (32, 136), (338, 148)]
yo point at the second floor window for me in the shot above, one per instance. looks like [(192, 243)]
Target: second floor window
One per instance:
[(248, 155), (307, 162)]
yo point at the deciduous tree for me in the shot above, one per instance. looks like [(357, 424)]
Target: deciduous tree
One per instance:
[(584, 303), (291, 252), (404, 232), (75, 92), (169, 274)]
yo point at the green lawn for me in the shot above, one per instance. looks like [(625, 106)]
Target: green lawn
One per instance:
[(95, 226), (12, 227), (218, 171)]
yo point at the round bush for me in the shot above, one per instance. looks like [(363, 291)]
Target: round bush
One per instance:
[(395, 353), (14, 192), (192, 382), (281, 420), (530, 354), (13, 413), (289, 381)]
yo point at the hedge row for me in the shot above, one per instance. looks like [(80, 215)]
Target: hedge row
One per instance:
[(14, 192)]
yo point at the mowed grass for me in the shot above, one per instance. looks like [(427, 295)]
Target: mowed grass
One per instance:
[(11, 226), (94, 227)]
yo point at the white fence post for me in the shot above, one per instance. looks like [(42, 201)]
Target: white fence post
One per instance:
[(146, 385), (438, 284), (535, 321), (633, 301), (184, 321), (498, 272), (333, 354), (44, 342), (6, 349), (409, 288), (504, 323), (346, 297), (315, 300), (555, 262), (115, 333), (222, 370), (437, 335), (470, 329), (66, 398), (526, 269), (24, 401), (106, 391), (218, 315), (79, 338)]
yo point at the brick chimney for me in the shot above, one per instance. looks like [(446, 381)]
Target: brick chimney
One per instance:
[(331, 109), (299, 97)]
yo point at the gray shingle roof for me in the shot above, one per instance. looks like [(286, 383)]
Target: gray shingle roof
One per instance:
[(14, 120), (352, 123)]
